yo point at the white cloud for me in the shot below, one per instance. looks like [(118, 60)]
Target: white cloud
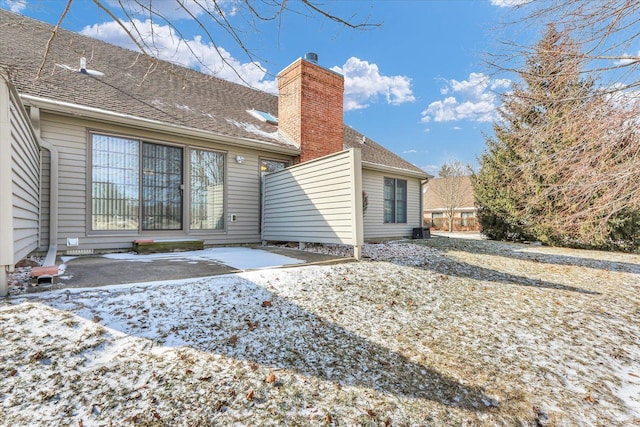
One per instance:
[(431, 170), (509, 3), (174, 10), (364, 84), (474, 99), (409, 151), (15, 6), (627, 59), (163, 42), (623, 97)]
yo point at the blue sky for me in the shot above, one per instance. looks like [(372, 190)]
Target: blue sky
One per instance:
[(417, 84)]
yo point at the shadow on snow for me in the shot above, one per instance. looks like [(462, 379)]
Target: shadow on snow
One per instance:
[(230, 317)]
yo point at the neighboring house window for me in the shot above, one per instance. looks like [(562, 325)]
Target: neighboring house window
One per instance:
[(465, 216), (395, 200), (435, 217), (135, 185), (207, 190)]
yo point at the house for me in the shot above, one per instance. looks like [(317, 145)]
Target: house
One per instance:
[(447, 200), (100, 152)]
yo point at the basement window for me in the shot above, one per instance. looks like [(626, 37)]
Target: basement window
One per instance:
[(264, 116)]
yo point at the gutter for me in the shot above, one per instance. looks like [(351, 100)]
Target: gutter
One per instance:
[(422, 209), (49, 268), (61, 107), (396, 170)]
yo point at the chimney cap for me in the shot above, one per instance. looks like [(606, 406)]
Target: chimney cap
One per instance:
[(311, 57)]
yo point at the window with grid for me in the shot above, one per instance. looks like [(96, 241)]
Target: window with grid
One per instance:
[(135, 185), (161, 187), (395, 201), (207, 190)]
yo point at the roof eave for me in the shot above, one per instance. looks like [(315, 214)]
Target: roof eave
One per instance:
[(395, 170), (77, 110)]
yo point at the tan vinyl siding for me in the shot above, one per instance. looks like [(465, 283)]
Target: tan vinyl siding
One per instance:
[(315, 201), (71, 144), (71, 136), (19, 161), (374, 226), (243, 198)]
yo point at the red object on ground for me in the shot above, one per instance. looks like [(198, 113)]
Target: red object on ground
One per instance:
[(51, 270)]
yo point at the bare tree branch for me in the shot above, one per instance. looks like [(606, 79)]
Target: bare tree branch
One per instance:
[(207, 15), (52, 37)]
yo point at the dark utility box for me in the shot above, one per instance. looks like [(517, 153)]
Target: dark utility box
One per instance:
[(421, 233)]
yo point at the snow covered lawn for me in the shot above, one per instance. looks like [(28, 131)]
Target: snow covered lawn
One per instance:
[(444, 332)]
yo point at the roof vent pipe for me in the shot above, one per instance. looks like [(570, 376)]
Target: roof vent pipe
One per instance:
[(311, 57)]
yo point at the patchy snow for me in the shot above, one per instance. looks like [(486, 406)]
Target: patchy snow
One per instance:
[(450, 332), (236, 257), (251, 128)]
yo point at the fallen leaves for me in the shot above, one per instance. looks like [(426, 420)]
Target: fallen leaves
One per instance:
[(328, 354), (251, 325), (233, 339)]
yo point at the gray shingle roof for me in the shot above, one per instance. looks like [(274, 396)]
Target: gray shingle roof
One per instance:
[(138, 86)]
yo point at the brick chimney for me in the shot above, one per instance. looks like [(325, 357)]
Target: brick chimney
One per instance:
[(310, 107)]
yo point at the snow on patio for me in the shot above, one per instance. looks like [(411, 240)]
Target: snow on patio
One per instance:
[(236, 257), (452, 332)]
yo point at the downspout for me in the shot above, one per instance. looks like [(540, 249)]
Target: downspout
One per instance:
[(50, 258), (423, 182), (6, 212)]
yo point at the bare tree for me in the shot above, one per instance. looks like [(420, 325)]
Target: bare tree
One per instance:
[(449, 188), (563, 167), (236, 19), (607, 31)]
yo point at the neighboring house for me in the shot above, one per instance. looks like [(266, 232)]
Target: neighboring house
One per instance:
[(446, 199), (152, 150)]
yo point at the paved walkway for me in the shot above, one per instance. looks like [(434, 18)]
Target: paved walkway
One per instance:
[(113, 269), (459, 234)]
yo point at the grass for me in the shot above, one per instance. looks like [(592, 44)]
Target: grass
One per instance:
[(452, 332)]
